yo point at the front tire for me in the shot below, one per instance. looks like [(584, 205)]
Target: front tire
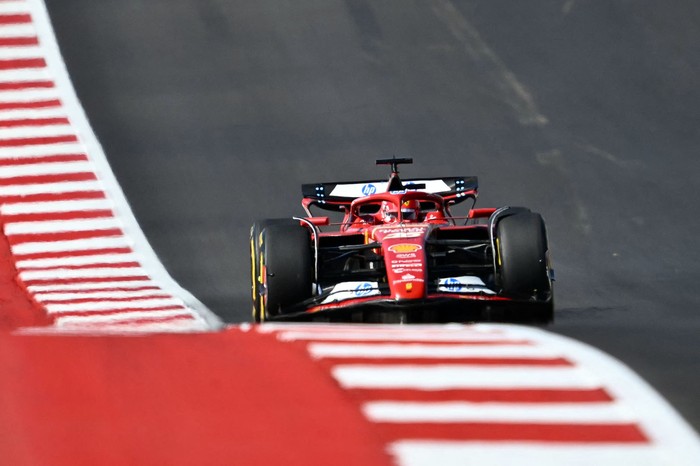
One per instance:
[(286, 268), (256, 242), (522, 264)]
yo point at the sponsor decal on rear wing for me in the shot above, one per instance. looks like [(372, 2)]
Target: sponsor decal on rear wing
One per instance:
[(334, 196)]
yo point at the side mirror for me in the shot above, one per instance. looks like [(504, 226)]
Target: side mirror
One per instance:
[(318, 221)]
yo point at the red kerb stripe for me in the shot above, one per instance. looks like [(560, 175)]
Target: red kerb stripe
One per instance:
[(48, 197), (110, 312), (22, 63), (96, 265), (22, 18), (34, 122), (61, 254), (503, 431), (17, 85), (63, 236), (70, 281), (18, 41), (30, 105), (41, 141), (73, 215), (44, 159), (39, 179), (495, 395), (107, 300), (136, 322)]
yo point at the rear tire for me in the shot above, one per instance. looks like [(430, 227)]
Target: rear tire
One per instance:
[(286, 268), (522, 264)]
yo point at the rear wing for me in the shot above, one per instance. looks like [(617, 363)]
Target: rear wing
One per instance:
[(338, 196)]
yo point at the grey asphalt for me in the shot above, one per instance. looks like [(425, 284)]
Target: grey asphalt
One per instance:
[(213, 112)]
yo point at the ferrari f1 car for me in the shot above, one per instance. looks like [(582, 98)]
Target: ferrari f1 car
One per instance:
[(400, 255)]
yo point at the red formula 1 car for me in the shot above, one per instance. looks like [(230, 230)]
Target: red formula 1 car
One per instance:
[(399, 255)]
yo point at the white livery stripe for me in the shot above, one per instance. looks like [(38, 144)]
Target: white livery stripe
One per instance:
[(54, 206), (98, 305), (72, 245), (424, 350), (454, 412), (454, 376), (452, 453)]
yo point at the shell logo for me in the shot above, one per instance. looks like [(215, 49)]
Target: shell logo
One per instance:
[(405, 247)]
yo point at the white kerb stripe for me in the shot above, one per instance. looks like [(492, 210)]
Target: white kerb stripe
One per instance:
[(106, 242), (23, 114), (29, 152), (18, 30), (454, 453), (86, 286), (23, 132), (455, 412), (427, 336), (29, 51), (108, 306), (424, 350), (455, 376), (116, 294), (68, 261), (14, 8), (50, 188), (27, 95), (82, 273), (46, 168), (55, 226), (55, 206), (121, 316)]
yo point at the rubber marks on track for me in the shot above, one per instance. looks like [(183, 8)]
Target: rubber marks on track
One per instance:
[(71, 253), (496, 395)]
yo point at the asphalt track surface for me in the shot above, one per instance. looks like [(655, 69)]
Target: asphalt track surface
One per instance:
[(213, 112)]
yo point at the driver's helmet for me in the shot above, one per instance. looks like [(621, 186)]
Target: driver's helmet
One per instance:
[(390, 213), (410, 210)]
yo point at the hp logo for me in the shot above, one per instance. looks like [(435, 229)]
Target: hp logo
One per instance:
[(363, 289), (369, 189)]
